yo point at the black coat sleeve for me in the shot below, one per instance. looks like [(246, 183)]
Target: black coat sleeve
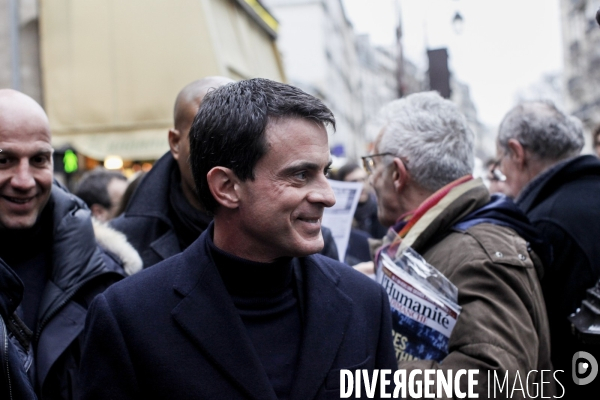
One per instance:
[(386, 357)]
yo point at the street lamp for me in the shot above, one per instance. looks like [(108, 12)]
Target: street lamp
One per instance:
[(458, 23)]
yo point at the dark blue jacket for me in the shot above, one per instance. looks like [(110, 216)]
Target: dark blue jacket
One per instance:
[(173, 332), (147, 224), (564, 204), (15, 355), (80, 270)]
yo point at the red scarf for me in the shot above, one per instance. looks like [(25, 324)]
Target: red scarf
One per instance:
[(409, 219)]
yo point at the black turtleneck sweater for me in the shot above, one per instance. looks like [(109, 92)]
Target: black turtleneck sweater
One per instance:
[(28, 253), (266, 296)]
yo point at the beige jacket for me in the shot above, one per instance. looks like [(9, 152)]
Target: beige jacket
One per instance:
[(503, 324)]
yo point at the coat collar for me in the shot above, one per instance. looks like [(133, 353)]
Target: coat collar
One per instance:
[(11, 290), (327, 316), (548, 181), (458, 203), (76, 258), (155, 186), (207, 315), (166, 245)]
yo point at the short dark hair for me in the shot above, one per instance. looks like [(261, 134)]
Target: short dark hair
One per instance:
[(229, 128), (92, 187)]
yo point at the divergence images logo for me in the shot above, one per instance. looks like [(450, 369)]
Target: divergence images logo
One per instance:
[(584, 368)]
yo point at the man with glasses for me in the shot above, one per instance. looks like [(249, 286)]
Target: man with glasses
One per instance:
[(421, 171), (495, 178), (538, 147)]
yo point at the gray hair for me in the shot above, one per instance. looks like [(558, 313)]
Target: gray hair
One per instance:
[(432, 136), (542, 129)]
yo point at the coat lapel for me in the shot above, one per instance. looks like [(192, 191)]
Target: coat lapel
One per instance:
[(207, 315), (167, 245), (327, 315)]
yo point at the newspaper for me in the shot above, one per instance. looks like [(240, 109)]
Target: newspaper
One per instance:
[(423, 302), (339, 217)]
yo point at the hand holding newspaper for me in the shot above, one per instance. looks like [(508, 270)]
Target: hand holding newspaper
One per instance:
[(423, 302)]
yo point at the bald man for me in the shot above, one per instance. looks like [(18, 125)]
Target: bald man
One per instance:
[(53, 266), (164, 215)]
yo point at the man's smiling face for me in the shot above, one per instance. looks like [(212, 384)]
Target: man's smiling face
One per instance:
[(26, 169), (282, 207)]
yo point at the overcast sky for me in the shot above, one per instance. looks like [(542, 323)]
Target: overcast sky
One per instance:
[(505, 45)]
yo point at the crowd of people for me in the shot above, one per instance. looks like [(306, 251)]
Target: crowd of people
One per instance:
[(203, 278)]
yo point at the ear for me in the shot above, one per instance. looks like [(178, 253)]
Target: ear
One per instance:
[(223, 184), (517, 153), (99, 212), (399, 174), (174, 139)]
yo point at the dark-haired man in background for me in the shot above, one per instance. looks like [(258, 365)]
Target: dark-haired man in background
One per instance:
[(247, 310), (102, 190)]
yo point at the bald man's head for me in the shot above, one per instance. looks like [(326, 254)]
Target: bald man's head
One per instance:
[(25, 158), (186, 106), (16, 106), (190, 98)]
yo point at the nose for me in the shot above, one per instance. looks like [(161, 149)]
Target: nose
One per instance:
[(23, 178), (322, 193)]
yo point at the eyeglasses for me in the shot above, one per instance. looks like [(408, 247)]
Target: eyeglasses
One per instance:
[(495, 174), (369, 162)]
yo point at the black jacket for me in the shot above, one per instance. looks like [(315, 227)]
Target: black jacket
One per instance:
[(172, 332), (563, 203), (15, 355), (146, 221), (147, 224), (80, 270)]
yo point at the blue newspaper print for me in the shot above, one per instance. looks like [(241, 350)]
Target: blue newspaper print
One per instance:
[(422, 342)]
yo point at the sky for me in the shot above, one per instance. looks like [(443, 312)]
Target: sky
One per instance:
[(505, 46)]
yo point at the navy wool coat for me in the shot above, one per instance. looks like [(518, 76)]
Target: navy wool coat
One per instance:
[(172, 332)]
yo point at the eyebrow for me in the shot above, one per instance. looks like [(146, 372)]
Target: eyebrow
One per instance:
[(45, 152), (305, 165)]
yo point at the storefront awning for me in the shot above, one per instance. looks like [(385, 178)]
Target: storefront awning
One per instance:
[(147, 144), (111, 70)]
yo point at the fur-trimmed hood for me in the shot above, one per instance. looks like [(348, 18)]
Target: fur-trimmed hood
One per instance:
[(116, 243)]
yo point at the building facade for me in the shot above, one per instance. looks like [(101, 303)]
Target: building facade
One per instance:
[(107, 73), (318, 48), (581, 52)]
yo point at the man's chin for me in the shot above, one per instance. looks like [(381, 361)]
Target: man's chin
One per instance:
[(310, 247), (18, 223)]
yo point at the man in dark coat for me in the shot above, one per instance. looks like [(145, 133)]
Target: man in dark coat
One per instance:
[(47, 240), (538, 148), (247, 310), (165, 215)]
